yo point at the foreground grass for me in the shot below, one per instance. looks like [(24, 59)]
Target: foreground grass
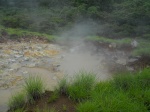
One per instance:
[(17, 101), (124, 93), (34, 88)]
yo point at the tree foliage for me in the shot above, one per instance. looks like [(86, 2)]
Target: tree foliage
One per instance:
[(118, 17)]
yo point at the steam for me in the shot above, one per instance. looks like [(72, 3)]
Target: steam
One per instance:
[(81, 55)]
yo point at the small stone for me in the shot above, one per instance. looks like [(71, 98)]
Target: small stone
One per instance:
[(54, 78), (121, 61), (32, 65), (25, 72), (18, 56)]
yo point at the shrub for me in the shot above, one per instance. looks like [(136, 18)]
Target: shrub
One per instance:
[(34, 87), (82, 85), (16, 101)]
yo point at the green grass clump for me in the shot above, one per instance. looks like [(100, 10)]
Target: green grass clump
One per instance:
[(17, 101), (88, 106), (34, 87), (125, 93), (82, 85), (53, 97)]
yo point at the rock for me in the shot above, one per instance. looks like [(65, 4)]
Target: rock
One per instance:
[(112, 45), (132, 60), (26, 59), (25, 72), (121, 61), (15, 66), (31, 65), (130, 68), (18, 56), (134, 43)]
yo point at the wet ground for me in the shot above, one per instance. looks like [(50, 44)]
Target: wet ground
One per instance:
[(52, 62)]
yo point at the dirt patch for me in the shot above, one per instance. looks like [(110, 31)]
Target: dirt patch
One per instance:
[(62, 104)]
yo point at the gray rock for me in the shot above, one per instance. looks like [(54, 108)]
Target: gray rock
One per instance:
[(18, 56), (15, 66), (121, 61), (31, 65), (132, 60)]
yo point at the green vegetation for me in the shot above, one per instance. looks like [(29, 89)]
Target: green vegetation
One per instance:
[(34, 88), (116, 18), (45, 110), (143, 48), (53, 97), (64, 108), (125, 92), (82, 86), (15, 33), (17, 101)]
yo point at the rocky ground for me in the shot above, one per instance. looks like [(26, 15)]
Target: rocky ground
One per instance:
[(19, 60)]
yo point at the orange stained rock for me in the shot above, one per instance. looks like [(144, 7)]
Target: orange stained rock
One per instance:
[(7, 51), (51, 52)]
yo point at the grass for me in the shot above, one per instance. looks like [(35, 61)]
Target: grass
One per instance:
[(45, 110), (17, 33), (53, 97), (34, 87), (124, 93), (82, 85), (17, 101), (119, 42)]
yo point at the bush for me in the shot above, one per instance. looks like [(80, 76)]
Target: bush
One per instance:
[(17, 101), (82, 85), (34, 87)]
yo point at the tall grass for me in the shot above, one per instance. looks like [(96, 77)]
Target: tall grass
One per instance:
[(17, 101), (125, 93), (82, 85), (34, 87)]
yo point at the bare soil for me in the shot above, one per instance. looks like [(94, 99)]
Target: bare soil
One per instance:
[(58, 105)]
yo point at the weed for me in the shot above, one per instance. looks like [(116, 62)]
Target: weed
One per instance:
[(17, 101), (34, 87), (20, 110), (64, 108), (45, 110), (82, 85), (53, 97)]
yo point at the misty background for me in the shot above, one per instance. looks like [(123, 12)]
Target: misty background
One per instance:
[(109, 18)]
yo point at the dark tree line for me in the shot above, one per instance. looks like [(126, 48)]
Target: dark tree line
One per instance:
[(117, 18)]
